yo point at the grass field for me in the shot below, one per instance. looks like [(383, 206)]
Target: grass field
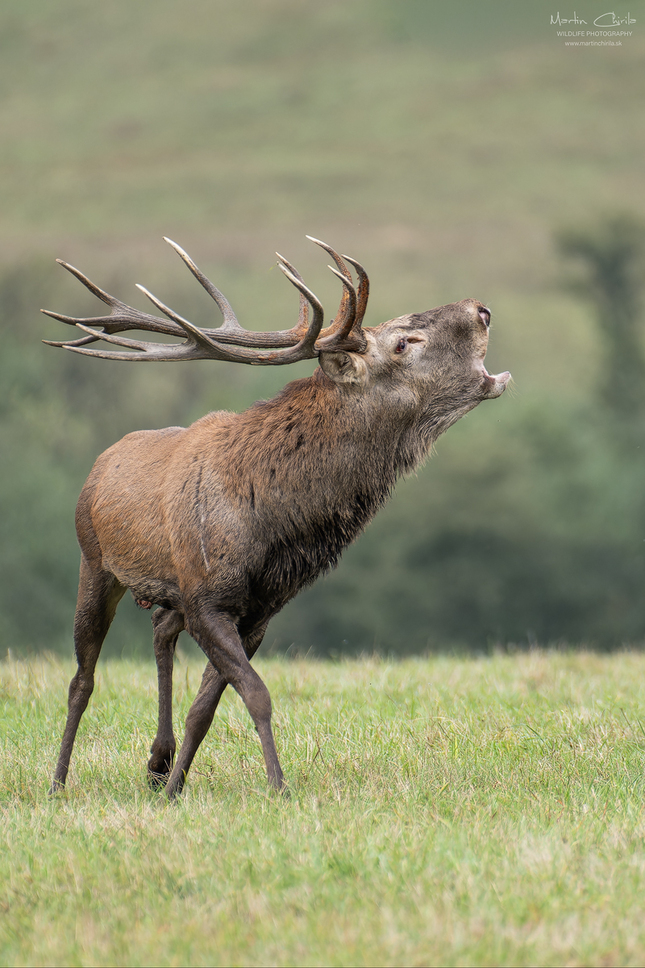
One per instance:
[(445, 811)]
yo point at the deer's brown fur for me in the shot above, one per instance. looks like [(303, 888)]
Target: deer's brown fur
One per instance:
[(220, 524)]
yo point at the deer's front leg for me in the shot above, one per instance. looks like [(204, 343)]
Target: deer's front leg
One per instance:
[(218, 637), (200, 715), (167, 625)]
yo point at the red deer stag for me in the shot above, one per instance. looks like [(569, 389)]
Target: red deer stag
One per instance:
[(220, 524)]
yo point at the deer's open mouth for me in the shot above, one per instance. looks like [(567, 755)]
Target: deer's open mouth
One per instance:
[(496, 383)]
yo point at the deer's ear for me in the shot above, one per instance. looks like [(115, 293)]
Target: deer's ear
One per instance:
[(344, 367)]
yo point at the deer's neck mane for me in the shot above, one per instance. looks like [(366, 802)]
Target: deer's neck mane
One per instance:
[(313, 445), (310, 469)]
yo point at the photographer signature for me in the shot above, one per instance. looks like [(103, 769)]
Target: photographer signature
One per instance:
[(614, 21), (604, 20)]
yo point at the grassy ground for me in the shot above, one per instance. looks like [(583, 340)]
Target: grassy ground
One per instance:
[(444, 811)]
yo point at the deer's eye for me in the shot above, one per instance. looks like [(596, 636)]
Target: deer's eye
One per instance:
[(401, 345)]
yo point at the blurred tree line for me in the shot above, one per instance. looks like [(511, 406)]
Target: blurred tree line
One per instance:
[(526, 527)]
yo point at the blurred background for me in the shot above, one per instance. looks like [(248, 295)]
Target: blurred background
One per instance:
[(456, 150)]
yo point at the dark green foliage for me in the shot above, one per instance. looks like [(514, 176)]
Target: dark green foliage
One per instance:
[(611, 257), (528, 530)]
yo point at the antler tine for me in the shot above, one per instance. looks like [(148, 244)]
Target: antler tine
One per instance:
[(230, 319), (198, 335), (335, 336), (72, 342), (340, 320), (335, 256), (347, 323), (196, 347), (93, 288), (363, 291), (122, 317), (120, 321), (307, 343), (231, 327), (292, 269), (303, 312)]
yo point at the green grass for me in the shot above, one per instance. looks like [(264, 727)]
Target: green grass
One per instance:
[(445, 811)]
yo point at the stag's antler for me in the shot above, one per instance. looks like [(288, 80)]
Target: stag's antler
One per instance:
[(303, 342)]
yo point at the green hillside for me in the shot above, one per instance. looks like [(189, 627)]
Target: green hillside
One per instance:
[(444, 148)]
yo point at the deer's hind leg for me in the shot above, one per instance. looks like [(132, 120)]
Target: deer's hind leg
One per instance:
[(167, 625), (99, 593)]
